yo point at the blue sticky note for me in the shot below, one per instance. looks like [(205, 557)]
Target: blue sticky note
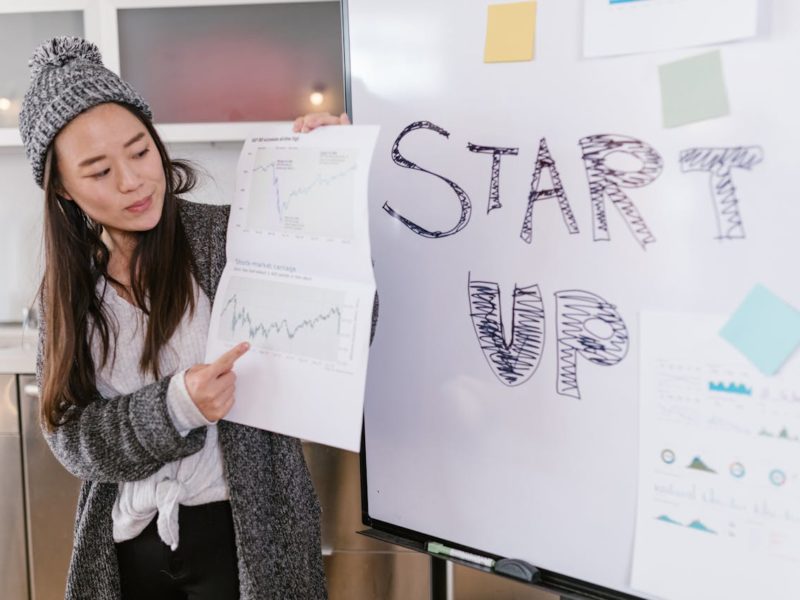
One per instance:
[(765, 329)]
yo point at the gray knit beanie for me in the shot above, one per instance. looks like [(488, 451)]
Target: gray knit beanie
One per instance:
[(67, 78)]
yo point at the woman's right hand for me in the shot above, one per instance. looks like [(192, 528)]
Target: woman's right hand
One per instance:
[(211, 386), (311, 121)]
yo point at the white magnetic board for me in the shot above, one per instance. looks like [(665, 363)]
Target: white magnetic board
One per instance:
[(527, 447)]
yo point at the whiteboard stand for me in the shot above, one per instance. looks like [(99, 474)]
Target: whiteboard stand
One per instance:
[(565, 588), (441, 574), (439, 579)]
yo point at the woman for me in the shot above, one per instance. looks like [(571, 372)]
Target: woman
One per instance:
[(174, 503)]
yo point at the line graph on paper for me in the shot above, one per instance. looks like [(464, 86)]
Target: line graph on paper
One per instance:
[(299, 320), (303, 191)]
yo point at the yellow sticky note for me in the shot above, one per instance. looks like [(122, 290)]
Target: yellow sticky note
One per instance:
[(510, 32)]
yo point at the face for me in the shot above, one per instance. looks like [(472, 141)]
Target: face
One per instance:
[(110, 166)]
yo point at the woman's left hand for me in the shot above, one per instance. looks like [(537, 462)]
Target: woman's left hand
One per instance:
[(311, 121)]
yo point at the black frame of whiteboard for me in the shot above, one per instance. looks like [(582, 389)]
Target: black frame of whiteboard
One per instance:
[(550, 581)]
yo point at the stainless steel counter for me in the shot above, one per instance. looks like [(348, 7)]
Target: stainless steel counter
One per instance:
[(51, 498), (37, 507), (13, 563)]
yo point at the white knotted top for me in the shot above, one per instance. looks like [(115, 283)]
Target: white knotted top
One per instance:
[(196, 479)]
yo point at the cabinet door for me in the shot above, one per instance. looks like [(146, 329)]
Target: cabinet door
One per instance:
[(13, 571), (52, 497), (22, 33), (271, 61)]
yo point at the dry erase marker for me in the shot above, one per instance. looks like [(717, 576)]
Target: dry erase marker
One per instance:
[(436, 548)]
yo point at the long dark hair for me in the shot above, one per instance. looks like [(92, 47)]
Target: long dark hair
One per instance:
[(161, 269)]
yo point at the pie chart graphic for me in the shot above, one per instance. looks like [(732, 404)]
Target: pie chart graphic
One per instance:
[(737, 470), (777, 477)]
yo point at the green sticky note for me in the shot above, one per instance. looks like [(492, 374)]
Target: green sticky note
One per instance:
[(765, 329), (510, 32), (693, 89)]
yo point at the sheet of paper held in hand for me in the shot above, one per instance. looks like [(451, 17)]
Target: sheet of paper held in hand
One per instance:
[(719, 471), (298, 283)]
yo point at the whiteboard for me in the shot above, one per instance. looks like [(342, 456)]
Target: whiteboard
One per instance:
[(462, 445)]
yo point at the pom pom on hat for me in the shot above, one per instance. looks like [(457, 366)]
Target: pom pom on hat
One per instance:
[(62, 50)]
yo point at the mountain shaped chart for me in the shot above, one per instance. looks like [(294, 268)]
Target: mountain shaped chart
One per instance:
[(698, 465), (696, 524)]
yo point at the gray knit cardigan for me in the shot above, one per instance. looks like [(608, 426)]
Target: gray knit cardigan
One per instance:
[(276, 513)]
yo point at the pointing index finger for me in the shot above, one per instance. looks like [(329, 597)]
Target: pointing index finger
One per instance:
[(225, 362)]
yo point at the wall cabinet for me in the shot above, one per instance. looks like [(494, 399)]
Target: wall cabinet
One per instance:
[(21, 33), (209, 69)]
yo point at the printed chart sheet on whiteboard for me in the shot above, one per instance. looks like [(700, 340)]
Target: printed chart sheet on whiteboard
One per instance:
[(719, 473), (298, 283), (613, 27)]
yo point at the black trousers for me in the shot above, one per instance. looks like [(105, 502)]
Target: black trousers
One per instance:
[(202, 568)]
